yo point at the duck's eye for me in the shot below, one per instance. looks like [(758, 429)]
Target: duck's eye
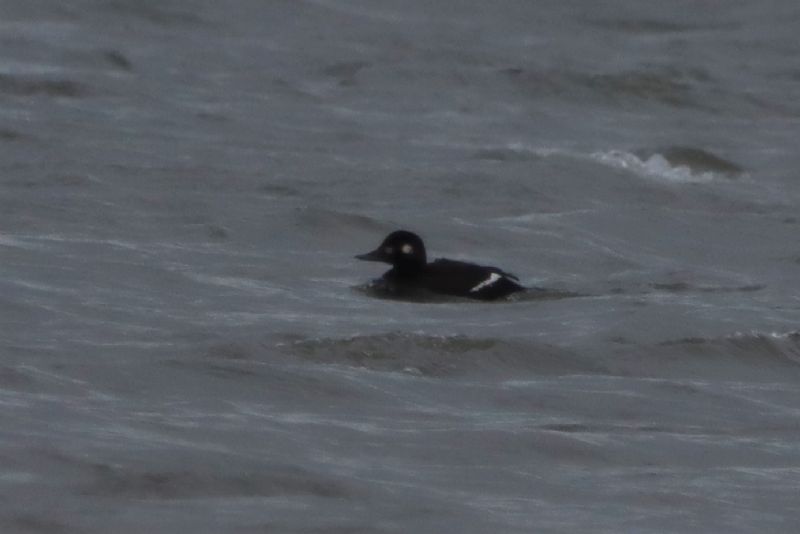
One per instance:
[(388, 251), (407, 249)]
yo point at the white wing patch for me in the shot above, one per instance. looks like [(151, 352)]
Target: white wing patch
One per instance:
[(494, 277)]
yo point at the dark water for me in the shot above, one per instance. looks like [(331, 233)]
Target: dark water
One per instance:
[(185, 347)]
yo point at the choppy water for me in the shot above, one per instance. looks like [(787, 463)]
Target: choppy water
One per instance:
[(185, 347)]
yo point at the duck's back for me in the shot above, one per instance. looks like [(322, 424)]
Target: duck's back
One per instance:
[(468, 280)]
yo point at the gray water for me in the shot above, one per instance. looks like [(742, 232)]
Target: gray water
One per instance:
[(186, 343)]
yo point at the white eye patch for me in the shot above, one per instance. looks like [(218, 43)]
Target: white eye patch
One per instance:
[(406, 249)]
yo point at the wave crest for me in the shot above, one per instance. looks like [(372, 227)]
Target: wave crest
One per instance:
[(441, 356), (673, 163)]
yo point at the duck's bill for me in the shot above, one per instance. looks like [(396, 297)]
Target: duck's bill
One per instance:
[(375, 255)]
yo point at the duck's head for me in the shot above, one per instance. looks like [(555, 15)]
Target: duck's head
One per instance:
[(402, 249)]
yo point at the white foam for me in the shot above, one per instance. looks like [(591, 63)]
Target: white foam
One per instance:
[(232, 282), (10, 242), (774, 335), (656, 166)]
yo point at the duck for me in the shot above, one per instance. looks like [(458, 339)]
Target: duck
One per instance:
[(412, 275)]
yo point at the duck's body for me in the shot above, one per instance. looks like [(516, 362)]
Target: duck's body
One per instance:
[(411, 274)]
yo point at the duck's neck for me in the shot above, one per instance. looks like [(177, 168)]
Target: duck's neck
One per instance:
[(407, 269)]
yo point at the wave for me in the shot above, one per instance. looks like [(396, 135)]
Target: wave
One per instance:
[(674, 86), (267, 481), (8, 241), (686, 287), (157, 14), (323, 220), (376, 289), (7, 134), (757, 356), (23, 86), (779, 343), (750, 355), (673, 164), (117, 59), (644, 26), (441, 356), (666, 85)]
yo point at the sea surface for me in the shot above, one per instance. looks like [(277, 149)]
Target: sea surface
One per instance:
[(186, 341)]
